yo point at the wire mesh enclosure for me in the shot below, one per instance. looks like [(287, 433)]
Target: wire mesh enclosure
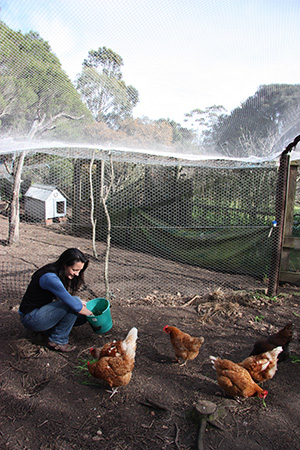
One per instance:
[(194, 184), (213, 216)]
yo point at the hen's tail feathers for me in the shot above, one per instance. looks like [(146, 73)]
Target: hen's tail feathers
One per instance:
[(129, 343), (131, 337), (213, 359), (275, 352)]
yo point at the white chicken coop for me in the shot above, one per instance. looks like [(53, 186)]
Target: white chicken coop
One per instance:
[(45, 203)]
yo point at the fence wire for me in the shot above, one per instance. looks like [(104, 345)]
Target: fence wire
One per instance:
[(212, 220)]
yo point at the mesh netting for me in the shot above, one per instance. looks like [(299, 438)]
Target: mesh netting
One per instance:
[(81, 157), (214, 216)]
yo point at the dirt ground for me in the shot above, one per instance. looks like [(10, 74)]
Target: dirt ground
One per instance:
[(49, 401)]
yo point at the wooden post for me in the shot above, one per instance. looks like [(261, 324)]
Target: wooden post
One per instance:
[(289, 218), (281, 198), (281, 193)]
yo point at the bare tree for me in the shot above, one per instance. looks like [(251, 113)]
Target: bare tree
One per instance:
[(14, 219), (14, 215), (93, 220), (104, 192), (40, 126)]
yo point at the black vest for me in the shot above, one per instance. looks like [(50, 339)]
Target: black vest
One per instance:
[(35, 296)]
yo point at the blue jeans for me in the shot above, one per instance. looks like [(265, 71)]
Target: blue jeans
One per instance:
[(55, 318)]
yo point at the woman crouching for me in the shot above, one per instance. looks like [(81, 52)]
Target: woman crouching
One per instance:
[(49, 304)]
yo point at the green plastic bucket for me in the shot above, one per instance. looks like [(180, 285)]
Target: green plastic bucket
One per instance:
[(101, 321)]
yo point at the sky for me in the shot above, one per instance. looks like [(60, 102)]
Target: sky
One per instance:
[(179, 54)]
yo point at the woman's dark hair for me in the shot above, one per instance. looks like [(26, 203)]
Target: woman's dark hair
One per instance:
[(68, 258)]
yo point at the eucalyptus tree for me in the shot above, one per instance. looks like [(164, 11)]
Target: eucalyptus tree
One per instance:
[(201, 120), (260, 125), (35, 92), (103, 89), (35, 96), (181, 136)]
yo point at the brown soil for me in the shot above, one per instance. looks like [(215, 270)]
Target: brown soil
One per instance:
[(49, 402)]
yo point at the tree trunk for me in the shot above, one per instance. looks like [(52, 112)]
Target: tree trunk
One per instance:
[(14, 216), (103, 200), (76, 195), (104, 196), (93, 220)]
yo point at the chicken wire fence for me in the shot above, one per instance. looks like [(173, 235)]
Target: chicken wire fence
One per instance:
[(196, 225)]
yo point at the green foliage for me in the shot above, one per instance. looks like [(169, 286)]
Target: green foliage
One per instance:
[(259, 318), (110, 61), (35, 92), (132, 132), (264, 297), (103, 89), (61, 174), (49, 170), (82, 369), (203, 120), (295, 359), (82, 366), (263, 121), (181, 135), (146, 131), (234, 197)]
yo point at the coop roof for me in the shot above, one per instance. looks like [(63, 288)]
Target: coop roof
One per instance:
[(41, 192)]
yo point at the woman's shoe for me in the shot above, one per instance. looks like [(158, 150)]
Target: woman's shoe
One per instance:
[(60, 347)]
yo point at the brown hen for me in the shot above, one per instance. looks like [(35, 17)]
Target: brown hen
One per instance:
[(280, 339), (262, 367), (235, 380), (116, 370), (185, 346), (113, 348)]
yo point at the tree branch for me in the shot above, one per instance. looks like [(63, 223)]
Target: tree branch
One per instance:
[(5, 110), (41, 127)]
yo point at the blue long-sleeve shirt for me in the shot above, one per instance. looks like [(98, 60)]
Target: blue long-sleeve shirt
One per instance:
[(43, 288), (51, 282)]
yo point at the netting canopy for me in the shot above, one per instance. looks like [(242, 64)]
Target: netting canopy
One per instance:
[(157, 124), (203, 78)]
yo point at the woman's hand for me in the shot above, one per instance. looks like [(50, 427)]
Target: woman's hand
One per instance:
[(85, 311)]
